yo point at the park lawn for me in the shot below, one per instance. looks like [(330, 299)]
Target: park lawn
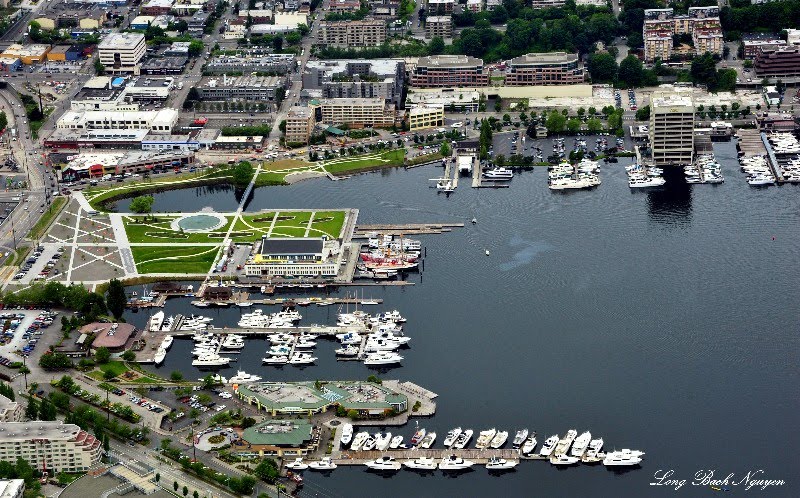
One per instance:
[(332, 228), (150, 231), (180, 259), (116, 367), (284, 231), (389, 158), (265, 179), (282, 164), (297, 219)]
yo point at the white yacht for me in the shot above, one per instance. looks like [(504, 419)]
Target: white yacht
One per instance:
[(212, 360), (529, 445), (463, 439), (383, 440), (452, 436), (156, 321), (376, 345), (394, 315), (279, 350), (622, 458), (564, 460), (304, 344), (421, 463), (324, 464), (396, 442), (347, 434), (382, 358), (167, 342), (498, 174), (453, 462), (370, 443), (233, 341), (581, 443), (549, 445), (347, 351), (384, 463), (564, 444), (302, 359), (359, 440), (648, 181), (499, 439), (428, 440), (243, 377), (484, 438), (593, 452), (281, 338), (275, 360), (496, 463), (159, 356), (349, 338), (297, 464), (519, 437)]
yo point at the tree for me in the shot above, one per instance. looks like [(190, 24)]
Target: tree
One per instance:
[(603, 68), (556, 122), (176, 376), (643, 113), (436, 45), (444, 149), (195, 494), (47, 411), (115, 297), (195, 48), (128, 355), (102, 355), (267, 470), (99, 68), (32, 409), (142, 204), (55, 361), (704, 70), (594, 125), (175, 486), (243, 173), (574, 125), (185, 491), (352, 414), (631, 72)]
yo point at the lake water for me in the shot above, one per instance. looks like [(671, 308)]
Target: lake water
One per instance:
[(665, 321)]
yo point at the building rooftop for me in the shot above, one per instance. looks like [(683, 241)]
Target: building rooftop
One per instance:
[(545, 58), (30, 50), (449, 61), (349, 101), (114, 41), (299, 112), (51, 430), (110, 335), (290, 433), (291, 246), (381, 67), (671, 100), (243, 82), (303, 396), (438, 19)]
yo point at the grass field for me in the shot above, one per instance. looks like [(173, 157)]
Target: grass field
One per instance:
[(179, 259), (389, 158), (140, 230), (288, 224)]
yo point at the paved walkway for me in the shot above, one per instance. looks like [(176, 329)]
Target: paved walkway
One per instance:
[(82, 201), (123, 244)]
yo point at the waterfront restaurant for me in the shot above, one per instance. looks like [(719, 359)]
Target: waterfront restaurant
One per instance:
[(283, 438), (302, 257)]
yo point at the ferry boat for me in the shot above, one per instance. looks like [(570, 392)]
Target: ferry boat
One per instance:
[(499, 439), (519, 438), (159, 356), (418, 436), (359, 440), (453, 462), (484, 438), (496, 463), (382, 358), (452, 436), (156, 321), (324, 464), (421, 463), (564, 444), (297, 464), (581, 443), (243, 377), (463, 439), (529, 445), (347, 434), (500, 174), (563, 460), (384, 463), (428, 440), (623, 458), (549, 445)]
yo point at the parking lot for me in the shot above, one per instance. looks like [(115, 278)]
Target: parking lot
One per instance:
[(22, 330), (40, 264)]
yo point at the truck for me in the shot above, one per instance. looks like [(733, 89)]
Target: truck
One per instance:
[(13, 133)]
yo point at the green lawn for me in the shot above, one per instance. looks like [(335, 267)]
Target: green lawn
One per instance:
[(389, 158), (161, 231), (288, 232), (332, 227), (116, 367), (181, 259)]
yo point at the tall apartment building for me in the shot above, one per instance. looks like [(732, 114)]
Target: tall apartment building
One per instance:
[(702, 23), (332, 79), (352, 34), (449, 71), (357, 112), (781, 62), (10, 411), (299, 125), (441, 26), (52, 446), (439, 7), (672, 129), (553, 68), (122, 52)]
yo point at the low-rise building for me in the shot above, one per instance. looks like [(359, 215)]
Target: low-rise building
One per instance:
[(122, 52), (282, 438), (547, 4), (300, 124), (56, 446), (452, 101), (164, 65), (441, 26), (449, 71), (236, 88), (156, 7), (97, 164), (295, 257), (239, 142), (290, 19), (753, 43), (161, 121), (256, 16), (781, 62), (357, 113), (116, 337), (197, 23), (475, 5), (352, 34), (425, 116), (62, 139), (29, 54), (345, 6), (552, 68), (10, 411), (439, 7), (235, 30), (10, 63), (62, 53)]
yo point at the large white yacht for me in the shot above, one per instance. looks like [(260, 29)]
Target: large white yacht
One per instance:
[(167, 342), (347, 434), (359, 440), (566, 442), (452, 436), (324, 464), (421, 463), (243, 377), (646, 181), (233, 341), (623, 458), (384, 463), (564, 460), (453, 462), (549, 445), (159, 356), (485, 438), (156, 321), (297, 464), (382, 358), (463, 439), (519, 437), (496, 463), (581, 443), (302, 359), (529, 445), (211, 360), (382, 441), (275, 360), (499, 439), (498, 174)]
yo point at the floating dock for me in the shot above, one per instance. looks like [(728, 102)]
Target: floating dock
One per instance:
[(362, 231)]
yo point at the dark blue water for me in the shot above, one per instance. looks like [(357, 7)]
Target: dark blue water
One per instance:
[(665, 321)]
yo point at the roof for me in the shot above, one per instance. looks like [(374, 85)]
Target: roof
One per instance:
[(334, 130), (109, 335), (291, 433), (52, 430), (545, 58), (121, 40), (671, 100), (449, 61), (291, 246)]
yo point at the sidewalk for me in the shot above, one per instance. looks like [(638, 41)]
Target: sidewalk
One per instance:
[(84, 204)]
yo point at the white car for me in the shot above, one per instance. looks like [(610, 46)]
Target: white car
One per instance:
[(220, 408), (457, 125)]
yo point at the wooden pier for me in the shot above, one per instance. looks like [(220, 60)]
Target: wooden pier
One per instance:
[(471, 454), (361, 231)]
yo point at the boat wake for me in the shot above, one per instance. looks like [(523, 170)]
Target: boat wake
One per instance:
[(526, 255)]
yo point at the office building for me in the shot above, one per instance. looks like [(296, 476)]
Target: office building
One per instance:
[(553, 68), (753, 43), (425, 116), (672, 129), (236, 88), (441, 26), (352, 34), (449, 71), (781, 62), (52, 446), (122, 52), (357, 113), (161, 121), (248, 62), (300, 124), (332, 79)]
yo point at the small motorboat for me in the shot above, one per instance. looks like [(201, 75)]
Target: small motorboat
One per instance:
[(496, 463), (452, 436), (396, 442), (297, 464), (324, 464)]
